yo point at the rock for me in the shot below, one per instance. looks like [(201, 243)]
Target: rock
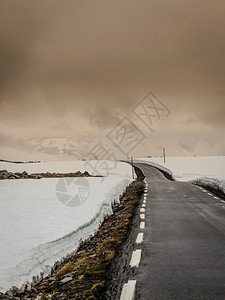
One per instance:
[(6, 297), (48, 174), (66, 279), (16, 176), (32, 175), (4, 172)]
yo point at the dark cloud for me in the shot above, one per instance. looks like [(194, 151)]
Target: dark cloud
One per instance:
[(77, 67)]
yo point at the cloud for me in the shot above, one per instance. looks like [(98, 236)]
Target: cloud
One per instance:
[(75, 68)]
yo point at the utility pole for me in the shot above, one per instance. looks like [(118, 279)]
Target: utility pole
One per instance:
[(164, 155), (132, 165)]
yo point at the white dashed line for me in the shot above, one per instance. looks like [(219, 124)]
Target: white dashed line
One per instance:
[(144, 201), (142, 225), (139, 239), (142, 210), (142, 216), (209, 194), (128, 290), (216, 197), (143, 205), (135, 259)]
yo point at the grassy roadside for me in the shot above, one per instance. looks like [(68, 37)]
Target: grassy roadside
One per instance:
[(83, 274)]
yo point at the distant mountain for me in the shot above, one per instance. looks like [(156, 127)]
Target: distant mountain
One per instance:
[(70, 147)]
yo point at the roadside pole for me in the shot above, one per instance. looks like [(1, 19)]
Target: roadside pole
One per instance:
[(132, 165), (164, 155)]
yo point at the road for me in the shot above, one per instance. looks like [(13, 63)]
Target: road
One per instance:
[(182, 255)]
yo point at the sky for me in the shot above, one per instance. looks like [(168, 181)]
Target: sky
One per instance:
[(78, 73)]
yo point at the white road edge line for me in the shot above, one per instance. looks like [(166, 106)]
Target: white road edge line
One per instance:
[(128, 290), (139, 238), (142, 225), (136, 258), (142, 216)]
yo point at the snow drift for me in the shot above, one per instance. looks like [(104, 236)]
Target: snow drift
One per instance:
[(41, 223)]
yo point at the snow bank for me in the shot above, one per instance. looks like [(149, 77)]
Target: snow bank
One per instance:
[(38, 227), (210, 183), (189, 168), (207, 171)]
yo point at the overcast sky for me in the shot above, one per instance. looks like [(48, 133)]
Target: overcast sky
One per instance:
[(77, 68)]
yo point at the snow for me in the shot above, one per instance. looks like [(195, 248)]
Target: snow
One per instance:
[(206, 171), (44, 220)]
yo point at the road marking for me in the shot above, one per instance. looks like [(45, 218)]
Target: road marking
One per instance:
[(144, 201), (128, 290), (223, 206), (135, 259), (139, 239), (142, 216), (216, 197), (222, 201), (142, 225), (143, 205), (142, 210), (209, 194)]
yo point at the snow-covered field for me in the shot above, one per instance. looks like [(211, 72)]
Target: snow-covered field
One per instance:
[(43, 220), (205, 171)]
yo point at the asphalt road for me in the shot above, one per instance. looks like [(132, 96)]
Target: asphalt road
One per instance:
[(183, 248)]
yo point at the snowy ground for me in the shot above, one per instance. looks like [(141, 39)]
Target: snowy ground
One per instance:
[(205, 171), (43, 220)]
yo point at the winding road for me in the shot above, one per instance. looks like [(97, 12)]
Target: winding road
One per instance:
[(179, 252)]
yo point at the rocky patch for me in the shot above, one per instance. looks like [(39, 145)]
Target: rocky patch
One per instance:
[(4, 174)]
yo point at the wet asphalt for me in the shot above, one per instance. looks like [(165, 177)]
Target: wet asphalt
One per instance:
[(183, 251)]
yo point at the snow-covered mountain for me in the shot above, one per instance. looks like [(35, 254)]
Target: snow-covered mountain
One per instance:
[(71, 147)]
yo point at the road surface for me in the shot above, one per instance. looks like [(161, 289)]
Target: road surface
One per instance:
[(180, 247)]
